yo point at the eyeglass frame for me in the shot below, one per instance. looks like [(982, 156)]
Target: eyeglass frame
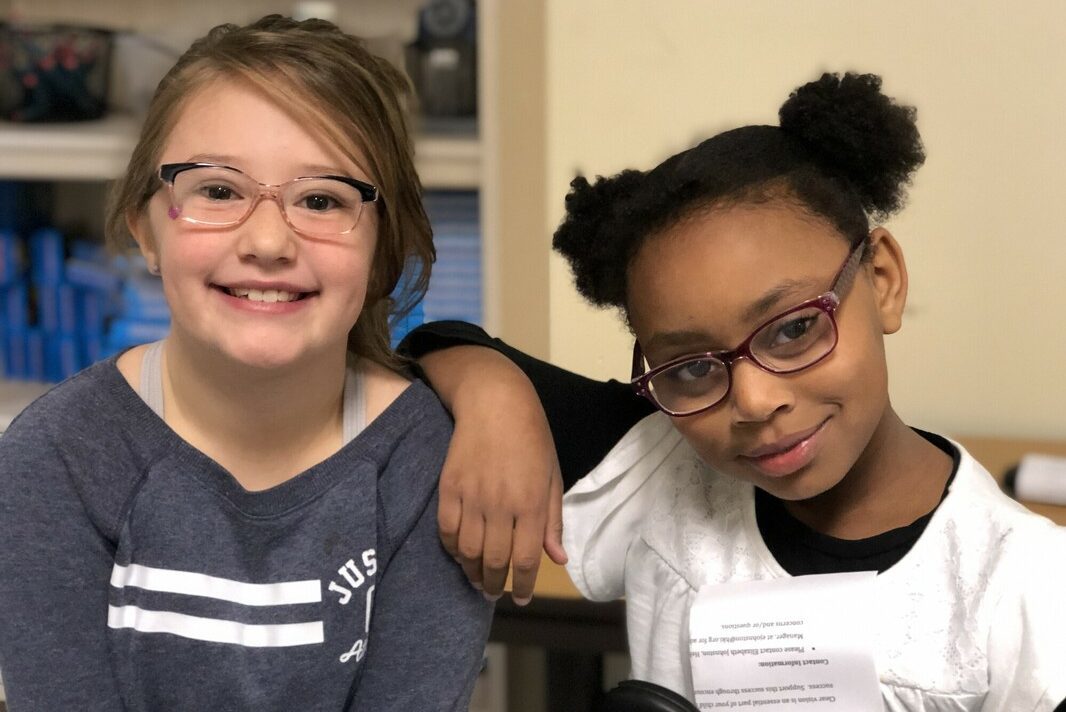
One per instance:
[(827, 302), (168, 173)]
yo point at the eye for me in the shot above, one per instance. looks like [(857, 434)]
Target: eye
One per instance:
[(794, 329), (691, 371), (218, 192), (793, 334), (319, 203)]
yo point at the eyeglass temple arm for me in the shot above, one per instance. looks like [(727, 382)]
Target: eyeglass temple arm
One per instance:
[(848, 271), (638, 367)]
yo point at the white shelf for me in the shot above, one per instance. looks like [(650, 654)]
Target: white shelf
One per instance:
[(16, 395), (99, 150), (91, 150), (448, 162)]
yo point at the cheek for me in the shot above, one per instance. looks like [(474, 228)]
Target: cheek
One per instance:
[(191, 255), (858, 363), (708, 434)]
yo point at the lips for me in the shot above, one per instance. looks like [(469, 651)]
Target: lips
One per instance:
[(257, 287), (266, 295), (786, 455), (279, 297)]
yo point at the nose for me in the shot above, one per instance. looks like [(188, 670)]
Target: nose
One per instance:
[(264, 235), (757, 395)]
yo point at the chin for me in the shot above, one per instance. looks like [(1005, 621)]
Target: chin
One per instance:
[(265, 356), (798, 487)]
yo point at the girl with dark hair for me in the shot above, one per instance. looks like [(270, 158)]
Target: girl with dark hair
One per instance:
[(757, 440)]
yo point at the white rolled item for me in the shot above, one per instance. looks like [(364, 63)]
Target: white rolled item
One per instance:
[(1041, 478)]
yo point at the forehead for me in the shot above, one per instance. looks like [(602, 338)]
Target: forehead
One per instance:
[(705, 275), (254, 131)]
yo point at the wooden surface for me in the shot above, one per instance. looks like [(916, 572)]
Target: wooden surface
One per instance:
[(996, 454)]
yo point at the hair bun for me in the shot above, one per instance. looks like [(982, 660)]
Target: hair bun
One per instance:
[(592, 235), (857, 132)]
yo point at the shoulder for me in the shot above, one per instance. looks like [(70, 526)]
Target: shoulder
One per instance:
[(651, 488), (994, 543), (84, 439), (383, 386), (406, 443), (980, 508), (67, 409)]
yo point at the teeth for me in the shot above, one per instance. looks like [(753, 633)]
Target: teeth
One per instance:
[(269, 296)]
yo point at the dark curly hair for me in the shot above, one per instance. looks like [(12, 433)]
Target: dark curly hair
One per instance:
[(844, 152)]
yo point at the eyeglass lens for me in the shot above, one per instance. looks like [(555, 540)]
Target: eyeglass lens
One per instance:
[(791, 342), (220, 196)]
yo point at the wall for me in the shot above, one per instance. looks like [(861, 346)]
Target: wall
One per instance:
[(984, 341), (512, 86)]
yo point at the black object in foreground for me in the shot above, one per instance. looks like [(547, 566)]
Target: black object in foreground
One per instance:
[(641, 696)]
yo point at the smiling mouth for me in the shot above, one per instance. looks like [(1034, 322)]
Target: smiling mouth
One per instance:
[(269, 296), (786, 456), (783, 445)]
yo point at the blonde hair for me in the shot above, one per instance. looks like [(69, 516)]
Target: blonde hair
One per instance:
[(350, 97)]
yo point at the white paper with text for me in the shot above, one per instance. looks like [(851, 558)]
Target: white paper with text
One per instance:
[(795, 643)]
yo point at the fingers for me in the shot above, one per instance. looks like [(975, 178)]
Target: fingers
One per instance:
[(553, 532), (449, 517), (471, 543), (525, 557), (496, 557)]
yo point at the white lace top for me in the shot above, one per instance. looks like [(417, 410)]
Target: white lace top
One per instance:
[(972, 617)]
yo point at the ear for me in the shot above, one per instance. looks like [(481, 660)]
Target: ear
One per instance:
[(139, 227), (888, 275)]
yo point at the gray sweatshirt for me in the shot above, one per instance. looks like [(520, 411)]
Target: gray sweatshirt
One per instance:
[(137, 574)]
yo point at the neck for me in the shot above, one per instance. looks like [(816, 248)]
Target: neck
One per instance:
[(261, 424), (898, 478)]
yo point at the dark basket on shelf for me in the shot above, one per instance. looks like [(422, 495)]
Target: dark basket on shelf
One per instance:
[(53, 72)]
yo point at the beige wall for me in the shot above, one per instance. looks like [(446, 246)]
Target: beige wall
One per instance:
[(983, 347)]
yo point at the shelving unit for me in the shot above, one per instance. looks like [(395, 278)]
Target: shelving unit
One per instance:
[(99, 150)]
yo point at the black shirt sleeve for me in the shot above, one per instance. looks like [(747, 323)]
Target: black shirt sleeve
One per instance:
[(587, 417)]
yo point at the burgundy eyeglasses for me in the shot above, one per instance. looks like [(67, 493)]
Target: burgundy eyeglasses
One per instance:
[(791, 341)]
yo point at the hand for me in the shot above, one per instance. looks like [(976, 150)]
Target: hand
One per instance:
[(501, 489)]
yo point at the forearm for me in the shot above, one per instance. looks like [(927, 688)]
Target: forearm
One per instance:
[(470, 378), (587, 417)]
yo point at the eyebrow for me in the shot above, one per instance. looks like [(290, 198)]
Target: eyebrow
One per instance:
[(761, 306), (306, 169), (754, 312)]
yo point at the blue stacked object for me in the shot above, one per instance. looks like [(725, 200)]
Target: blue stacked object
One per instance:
[(143, 314), (455, 285), (59, 312), (40, 320)]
